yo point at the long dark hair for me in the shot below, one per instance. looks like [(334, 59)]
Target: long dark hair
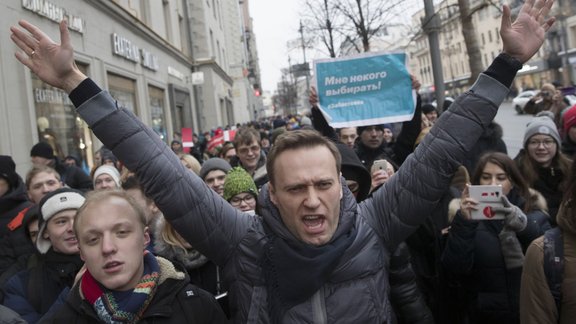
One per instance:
[(509, 166), (528, 167)]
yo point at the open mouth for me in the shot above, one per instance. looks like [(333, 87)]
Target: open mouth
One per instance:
[(314, 224)]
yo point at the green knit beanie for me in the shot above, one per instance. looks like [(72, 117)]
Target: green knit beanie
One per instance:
[(239, 181)]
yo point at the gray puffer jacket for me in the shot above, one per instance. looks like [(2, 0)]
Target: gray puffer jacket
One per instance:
[(357, 289)]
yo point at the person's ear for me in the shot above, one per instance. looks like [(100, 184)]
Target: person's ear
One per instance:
[(45, 235), (146, 237), (272, 193)]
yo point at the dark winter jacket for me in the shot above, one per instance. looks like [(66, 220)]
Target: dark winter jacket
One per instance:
[(490, 141), (395, 152), (356, 290), (13, 240), (11, 204), (473, 252), (175, 301), (33, 291), (73, 176), (569, 148), (407, 301)]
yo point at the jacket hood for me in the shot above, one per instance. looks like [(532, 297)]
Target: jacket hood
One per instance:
[(273, 220), (14, 197), (353, 169)]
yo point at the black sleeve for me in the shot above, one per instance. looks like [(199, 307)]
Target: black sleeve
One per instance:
[(407, 301), (321, 125), (404, 145), (458, 255)]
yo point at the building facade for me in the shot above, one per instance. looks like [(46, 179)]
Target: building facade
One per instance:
[(144, 53), (486, 19)]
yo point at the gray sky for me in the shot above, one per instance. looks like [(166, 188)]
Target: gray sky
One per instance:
[(276, 22)]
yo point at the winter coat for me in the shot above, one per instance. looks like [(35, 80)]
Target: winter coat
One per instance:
[(407, 301), (13, 239), (73, 176), (473, 252), (356, 291), (397, 151), (536, 302), (175, 301), (33, 291)]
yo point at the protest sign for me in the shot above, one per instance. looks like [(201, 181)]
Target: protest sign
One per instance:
[(367, 89)]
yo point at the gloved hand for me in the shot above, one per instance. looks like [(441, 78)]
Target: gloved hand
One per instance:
[(514, 220)]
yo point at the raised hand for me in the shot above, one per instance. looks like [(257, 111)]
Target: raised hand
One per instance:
[(313, 97), (53, 63), (522, 38)]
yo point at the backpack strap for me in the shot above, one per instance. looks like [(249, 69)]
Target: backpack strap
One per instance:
[(554, 264)]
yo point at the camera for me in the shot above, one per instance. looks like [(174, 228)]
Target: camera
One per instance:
[(545, 94)]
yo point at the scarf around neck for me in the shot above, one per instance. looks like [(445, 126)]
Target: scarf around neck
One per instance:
[(119, 306)]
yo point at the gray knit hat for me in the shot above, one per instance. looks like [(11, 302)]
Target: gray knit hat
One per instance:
[(50, 205), (541, 125), (214, 164)]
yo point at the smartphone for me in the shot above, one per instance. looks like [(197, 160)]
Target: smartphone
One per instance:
[(488, 196), (379, 165)]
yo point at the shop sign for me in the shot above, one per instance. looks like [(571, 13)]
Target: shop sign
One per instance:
[(53, 12), (125, 48), (51, 96), (175, 73)]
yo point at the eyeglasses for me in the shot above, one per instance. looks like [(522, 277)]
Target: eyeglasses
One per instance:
[(536, 143), (237, 201), (245, 150)]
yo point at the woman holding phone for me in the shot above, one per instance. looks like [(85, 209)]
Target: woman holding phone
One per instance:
[(486, 256)]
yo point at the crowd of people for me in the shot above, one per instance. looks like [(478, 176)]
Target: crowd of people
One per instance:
[(294, 221)]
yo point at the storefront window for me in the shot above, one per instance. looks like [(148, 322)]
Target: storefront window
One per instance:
[(157, 111), (123, 90), (58, 123)]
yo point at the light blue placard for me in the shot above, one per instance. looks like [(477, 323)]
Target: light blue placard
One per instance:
[(367, 89)]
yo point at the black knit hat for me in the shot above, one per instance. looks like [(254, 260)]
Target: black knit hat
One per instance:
[(428, 108), (42, 149), (360, 129), (8, 171)]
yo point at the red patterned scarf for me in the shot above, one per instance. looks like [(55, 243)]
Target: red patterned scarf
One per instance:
[(123, 306)]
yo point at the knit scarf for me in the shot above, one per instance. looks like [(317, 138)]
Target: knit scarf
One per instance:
[(123, 307), (294, 271)]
